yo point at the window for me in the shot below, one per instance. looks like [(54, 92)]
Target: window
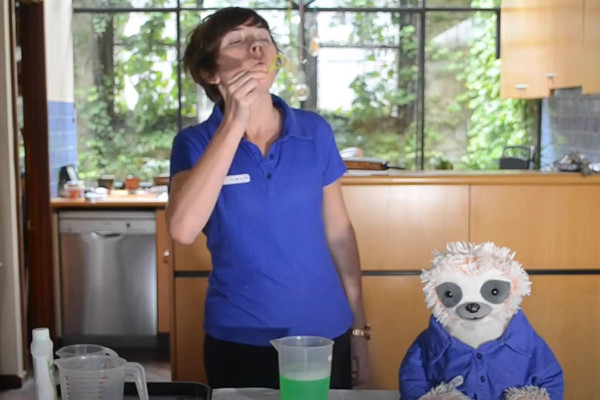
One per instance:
[(411, 82)]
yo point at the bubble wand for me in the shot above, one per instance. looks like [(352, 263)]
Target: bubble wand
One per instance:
[(277, 63)]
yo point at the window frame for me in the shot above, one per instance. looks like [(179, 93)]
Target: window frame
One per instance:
[(304, 7)]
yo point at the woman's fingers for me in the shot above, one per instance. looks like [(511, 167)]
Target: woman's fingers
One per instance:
[(242, 78), (241, 86)]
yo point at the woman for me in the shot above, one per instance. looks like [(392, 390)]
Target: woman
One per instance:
[(261, 180)]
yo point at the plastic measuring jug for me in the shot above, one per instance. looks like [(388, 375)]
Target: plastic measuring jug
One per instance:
[(74, 350), (98, 377), (304, 367)]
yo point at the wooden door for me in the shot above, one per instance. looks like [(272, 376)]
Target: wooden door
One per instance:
[(524, 49), (192, 257), (565, 29), (191, 265), (164, 273), (187, 351), (399, 226), (549, 226), (591, 47), (395, 307), (38, 232), (563, 310)]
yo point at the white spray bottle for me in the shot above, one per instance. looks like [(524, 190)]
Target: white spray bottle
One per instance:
[(41, 352)]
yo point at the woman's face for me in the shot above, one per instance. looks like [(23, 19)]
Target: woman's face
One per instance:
[(248, 48)]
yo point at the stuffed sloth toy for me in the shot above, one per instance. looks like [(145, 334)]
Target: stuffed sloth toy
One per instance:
[(479, 344)]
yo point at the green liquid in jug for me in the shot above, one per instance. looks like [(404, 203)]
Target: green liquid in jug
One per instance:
[(293, 389)]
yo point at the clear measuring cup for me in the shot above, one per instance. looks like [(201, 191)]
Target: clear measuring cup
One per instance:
[(304, 367), (74, 350), (98, 377)]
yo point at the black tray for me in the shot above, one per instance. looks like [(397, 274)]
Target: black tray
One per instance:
[(171, 391), (168, 391)]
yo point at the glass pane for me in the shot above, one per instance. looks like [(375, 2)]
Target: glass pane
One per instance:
[(234, 3), (126, 93), (369, 95), (464, 3), (196, 106), (466, 123), (124, 3), (364, 4), (358, 29)]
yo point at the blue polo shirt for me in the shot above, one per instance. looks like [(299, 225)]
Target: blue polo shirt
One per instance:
[(517, 358), (273, 274)]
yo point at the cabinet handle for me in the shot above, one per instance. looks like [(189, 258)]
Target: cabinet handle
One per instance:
[(521, 86), (551, 75), (166, 255)]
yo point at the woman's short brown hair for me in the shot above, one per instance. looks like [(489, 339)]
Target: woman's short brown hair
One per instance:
[(200, 56)]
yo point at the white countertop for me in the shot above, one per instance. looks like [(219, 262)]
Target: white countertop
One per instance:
[(272, 394)]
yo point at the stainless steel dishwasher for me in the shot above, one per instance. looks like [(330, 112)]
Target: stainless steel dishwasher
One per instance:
[(108, 277)]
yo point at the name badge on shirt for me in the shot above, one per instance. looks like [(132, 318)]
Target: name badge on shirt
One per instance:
[(236, 179)]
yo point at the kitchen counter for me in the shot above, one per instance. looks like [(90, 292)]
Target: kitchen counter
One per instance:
[(116, 199), (549, 219), (496, 177), (121, 198)]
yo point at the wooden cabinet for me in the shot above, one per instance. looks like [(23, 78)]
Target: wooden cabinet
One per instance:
[(164, 272), (187, 344), (591, 47), (542, 46), (398, 226), (549, 226), (192, 265), (524, 51), (193, 257), (550, 220), (395, 306), (561, 310), (565, 43), (564, 312)]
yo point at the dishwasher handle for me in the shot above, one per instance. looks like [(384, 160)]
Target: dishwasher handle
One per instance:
[(100, 235)]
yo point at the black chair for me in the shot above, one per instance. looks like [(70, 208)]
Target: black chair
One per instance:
[(517, 157)]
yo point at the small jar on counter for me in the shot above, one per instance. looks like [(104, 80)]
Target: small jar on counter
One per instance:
[(74, 189)]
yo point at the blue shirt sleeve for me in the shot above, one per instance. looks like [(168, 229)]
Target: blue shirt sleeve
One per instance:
[(412, 379), (550, 373), (334, 165), (185, 151)]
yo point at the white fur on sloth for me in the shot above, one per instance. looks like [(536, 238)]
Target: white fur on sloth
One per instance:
[(446, 391), (464, 260), (526, 393)]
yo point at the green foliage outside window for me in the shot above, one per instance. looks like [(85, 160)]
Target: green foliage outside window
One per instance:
[(114, 136), (382, 119), (117, 137), (495, 122)]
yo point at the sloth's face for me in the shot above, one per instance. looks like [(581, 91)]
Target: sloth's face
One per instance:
[(473, 297)]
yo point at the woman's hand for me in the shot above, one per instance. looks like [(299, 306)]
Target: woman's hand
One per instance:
[(239, 92), (360, 360)]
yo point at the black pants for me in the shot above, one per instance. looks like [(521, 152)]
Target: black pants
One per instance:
[(234, 365)]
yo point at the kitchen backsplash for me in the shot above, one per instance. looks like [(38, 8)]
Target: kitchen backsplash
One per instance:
[(570, 122), (62, 139)]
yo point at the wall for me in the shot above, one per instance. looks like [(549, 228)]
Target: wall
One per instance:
[(62, 124), (59, 77), (570, 122), (11, 345)]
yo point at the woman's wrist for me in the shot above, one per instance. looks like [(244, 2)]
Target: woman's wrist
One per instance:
[(232, 124)]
